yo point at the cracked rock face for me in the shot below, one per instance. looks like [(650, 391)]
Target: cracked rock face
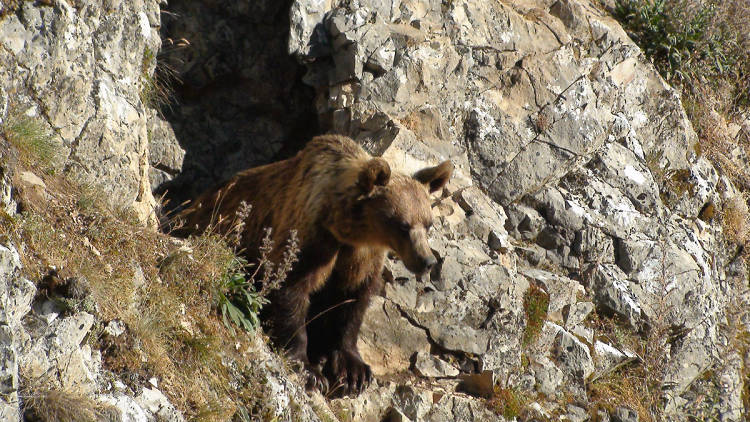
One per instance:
[(16, 294), (83, 71), (572, 155)]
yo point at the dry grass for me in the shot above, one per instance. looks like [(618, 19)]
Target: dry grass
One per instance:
[(45, 404), (163, 290), (636, 386), (736, 220)]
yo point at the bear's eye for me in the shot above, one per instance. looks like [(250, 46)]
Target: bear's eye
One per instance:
[(404, 227)]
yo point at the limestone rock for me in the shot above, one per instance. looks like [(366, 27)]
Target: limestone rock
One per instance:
[(612, 293), (624, 414), (16, 294), (153, 401), (609, 357), (387, 340), (572, 355), (548, 376), (86, 72)]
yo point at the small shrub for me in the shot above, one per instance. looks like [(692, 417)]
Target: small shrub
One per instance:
[(238, 299), (506, 402), (535, 305)]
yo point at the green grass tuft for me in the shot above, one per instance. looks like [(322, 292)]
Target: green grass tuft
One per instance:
[(535, 305), (31, 137)]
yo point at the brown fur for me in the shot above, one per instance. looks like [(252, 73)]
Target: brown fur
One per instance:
[(349, 209)]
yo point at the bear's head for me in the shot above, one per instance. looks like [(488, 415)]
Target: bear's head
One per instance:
[(393, 211)]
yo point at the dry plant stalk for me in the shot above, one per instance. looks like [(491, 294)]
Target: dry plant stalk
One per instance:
[(272, 275)]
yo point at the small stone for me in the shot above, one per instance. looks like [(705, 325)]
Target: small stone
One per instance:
[(387, 340), (577, 313), (584, 333), (49, 310), (523, 222), (577, 414), (127, 407), (602, 415), (612, 293), (450, 273), (31, 180), (608, 357), (573, 355), (115, 328), (75, 373), (459, 338), (548, 376), (431, 366), (412, 402), (624, 414), (395, 415), (155, 402)]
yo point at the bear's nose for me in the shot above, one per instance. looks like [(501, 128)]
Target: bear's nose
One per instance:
[(428, 263)]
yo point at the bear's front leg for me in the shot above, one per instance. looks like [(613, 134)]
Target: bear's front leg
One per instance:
[(287, 312), (335, 317)]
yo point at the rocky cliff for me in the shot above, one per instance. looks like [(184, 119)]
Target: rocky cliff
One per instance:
[(583, 268)]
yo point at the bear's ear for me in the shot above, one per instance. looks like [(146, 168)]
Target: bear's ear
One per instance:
[(435, 177), (376, 172)]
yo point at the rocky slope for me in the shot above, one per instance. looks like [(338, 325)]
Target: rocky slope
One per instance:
[(577, 177)]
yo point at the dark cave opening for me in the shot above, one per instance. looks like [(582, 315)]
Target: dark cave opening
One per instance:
[(237, 99)]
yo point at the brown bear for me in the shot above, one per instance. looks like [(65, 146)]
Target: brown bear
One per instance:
[(349, 210)]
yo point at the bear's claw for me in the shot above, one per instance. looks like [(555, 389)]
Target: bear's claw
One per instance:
[(315, 380), (347, 373)]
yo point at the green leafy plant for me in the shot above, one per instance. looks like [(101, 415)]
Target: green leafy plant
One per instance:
[(238, 300), (692, 43)]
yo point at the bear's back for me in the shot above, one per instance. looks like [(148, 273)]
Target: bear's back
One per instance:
[(292, 194)]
